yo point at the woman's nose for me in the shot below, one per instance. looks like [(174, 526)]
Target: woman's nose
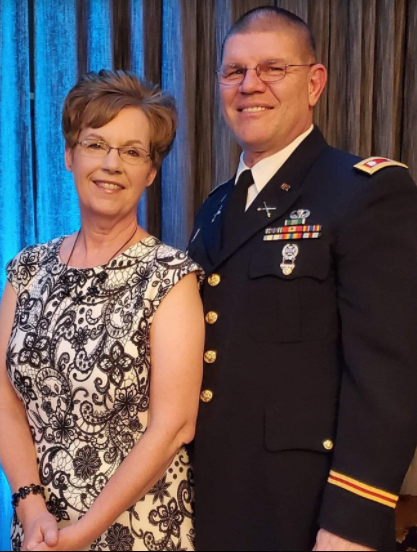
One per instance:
[(112, 161)]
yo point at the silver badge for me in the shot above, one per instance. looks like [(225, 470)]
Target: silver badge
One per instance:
[(300, 214), (290, 254)]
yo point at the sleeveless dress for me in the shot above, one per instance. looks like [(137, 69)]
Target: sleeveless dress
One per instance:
[(80, 363)]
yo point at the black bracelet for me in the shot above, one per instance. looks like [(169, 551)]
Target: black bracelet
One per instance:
[(24, 492)]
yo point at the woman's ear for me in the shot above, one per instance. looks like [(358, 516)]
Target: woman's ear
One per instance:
[(151, 177), (69, 158)]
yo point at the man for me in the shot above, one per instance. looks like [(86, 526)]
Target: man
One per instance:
[(308, 420)]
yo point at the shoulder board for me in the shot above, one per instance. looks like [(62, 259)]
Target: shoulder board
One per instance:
[(375, 164), (217, 188)]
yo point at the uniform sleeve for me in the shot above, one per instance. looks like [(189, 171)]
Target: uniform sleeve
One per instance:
[(376, 260)]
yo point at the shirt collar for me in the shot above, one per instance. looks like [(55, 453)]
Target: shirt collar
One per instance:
[(264, 170)]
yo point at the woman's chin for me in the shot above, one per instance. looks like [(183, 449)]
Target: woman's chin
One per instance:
[(106, 209)]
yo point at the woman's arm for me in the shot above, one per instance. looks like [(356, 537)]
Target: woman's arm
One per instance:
[(177, 346), (17, 451)]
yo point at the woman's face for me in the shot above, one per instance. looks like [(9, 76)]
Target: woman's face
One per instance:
[(109, 186)]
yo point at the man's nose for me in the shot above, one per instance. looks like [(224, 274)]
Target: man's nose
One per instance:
[(252, 83)]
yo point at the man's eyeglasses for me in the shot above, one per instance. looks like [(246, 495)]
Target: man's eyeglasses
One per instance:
[(130, 154), (268, 72)]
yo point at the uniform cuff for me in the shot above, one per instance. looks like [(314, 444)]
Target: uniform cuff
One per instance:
[(357, 519)]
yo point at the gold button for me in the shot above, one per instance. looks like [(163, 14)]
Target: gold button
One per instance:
[(212, 317), (210, 357), (207, 396), (328, 445), (214, 280)]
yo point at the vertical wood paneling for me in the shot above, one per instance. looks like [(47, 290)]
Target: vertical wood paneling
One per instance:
[(205, 100), (337, 86), (226, 149), (409, 145), (319, 22), (365, 127), (354, 75), (121, 34), (299, 7), (387, 71), (240, 7), (82, 43)]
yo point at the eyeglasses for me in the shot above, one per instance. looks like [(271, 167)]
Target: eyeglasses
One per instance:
[(268, 72), (129, 154)]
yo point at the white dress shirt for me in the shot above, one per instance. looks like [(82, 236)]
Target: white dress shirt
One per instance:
[(264, 170)]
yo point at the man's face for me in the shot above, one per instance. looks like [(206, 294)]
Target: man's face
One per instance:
[(286, 105)]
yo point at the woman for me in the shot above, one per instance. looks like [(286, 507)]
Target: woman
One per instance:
[(102, 337)]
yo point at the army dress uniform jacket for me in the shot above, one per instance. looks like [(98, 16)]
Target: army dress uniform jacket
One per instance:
[(308, 416)]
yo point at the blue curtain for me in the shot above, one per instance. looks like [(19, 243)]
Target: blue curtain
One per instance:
[(16, 178), (55, 47)]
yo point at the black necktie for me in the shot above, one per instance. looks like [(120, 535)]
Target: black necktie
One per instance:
[(236, 209)]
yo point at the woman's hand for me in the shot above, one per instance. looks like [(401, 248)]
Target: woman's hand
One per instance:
[(39, 528), (69, 539)]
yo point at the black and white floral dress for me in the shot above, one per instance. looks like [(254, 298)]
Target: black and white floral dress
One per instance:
[(80, 362)]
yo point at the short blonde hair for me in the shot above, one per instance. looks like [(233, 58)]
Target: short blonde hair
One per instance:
[(98, 98)]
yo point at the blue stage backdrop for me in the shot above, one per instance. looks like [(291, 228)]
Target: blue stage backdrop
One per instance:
[(369, 108)]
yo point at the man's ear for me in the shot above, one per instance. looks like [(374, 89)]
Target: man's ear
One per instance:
[(318, 80), (69, 158)]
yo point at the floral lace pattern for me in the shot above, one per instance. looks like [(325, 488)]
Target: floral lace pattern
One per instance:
[(81, 366)]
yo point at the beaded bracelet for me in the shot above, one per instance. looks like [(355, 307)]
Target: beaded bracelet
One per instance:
[(24, 492)]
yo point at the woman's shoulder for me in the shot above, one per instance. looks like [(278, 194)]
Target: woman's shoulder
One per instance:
[(25, 265), (37, 252), (175, 260)]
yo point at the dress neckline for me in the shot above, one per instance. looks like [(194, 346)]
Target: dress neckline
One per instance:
[(102, 266)]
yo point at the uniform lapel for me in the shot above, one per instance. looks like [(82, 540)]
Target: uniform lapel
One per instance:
[(274, 195), (212, 230)]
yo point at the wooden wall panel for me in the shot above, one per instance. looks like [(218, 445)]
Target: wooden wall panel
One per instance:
[(319, 22), (388, 71), (206, 84), (409, 134)]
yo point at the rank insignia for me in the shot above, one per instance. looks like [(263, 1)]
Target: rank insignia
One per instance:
[(375, 164), (290, 254)]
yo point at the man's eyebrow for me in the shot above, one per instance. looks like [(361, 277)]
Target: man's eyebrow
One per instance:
[(270, 60)]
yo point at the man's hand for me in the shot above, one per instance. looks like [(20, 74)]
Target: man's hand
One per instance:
[(40, 528), (328, 542)]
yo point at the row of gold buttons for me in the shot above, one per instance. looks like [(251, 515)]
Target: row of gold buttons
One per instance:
[(210, 357)]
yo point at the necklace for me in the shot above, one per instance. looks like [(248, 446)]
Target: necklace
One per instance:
[(102, 277)]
